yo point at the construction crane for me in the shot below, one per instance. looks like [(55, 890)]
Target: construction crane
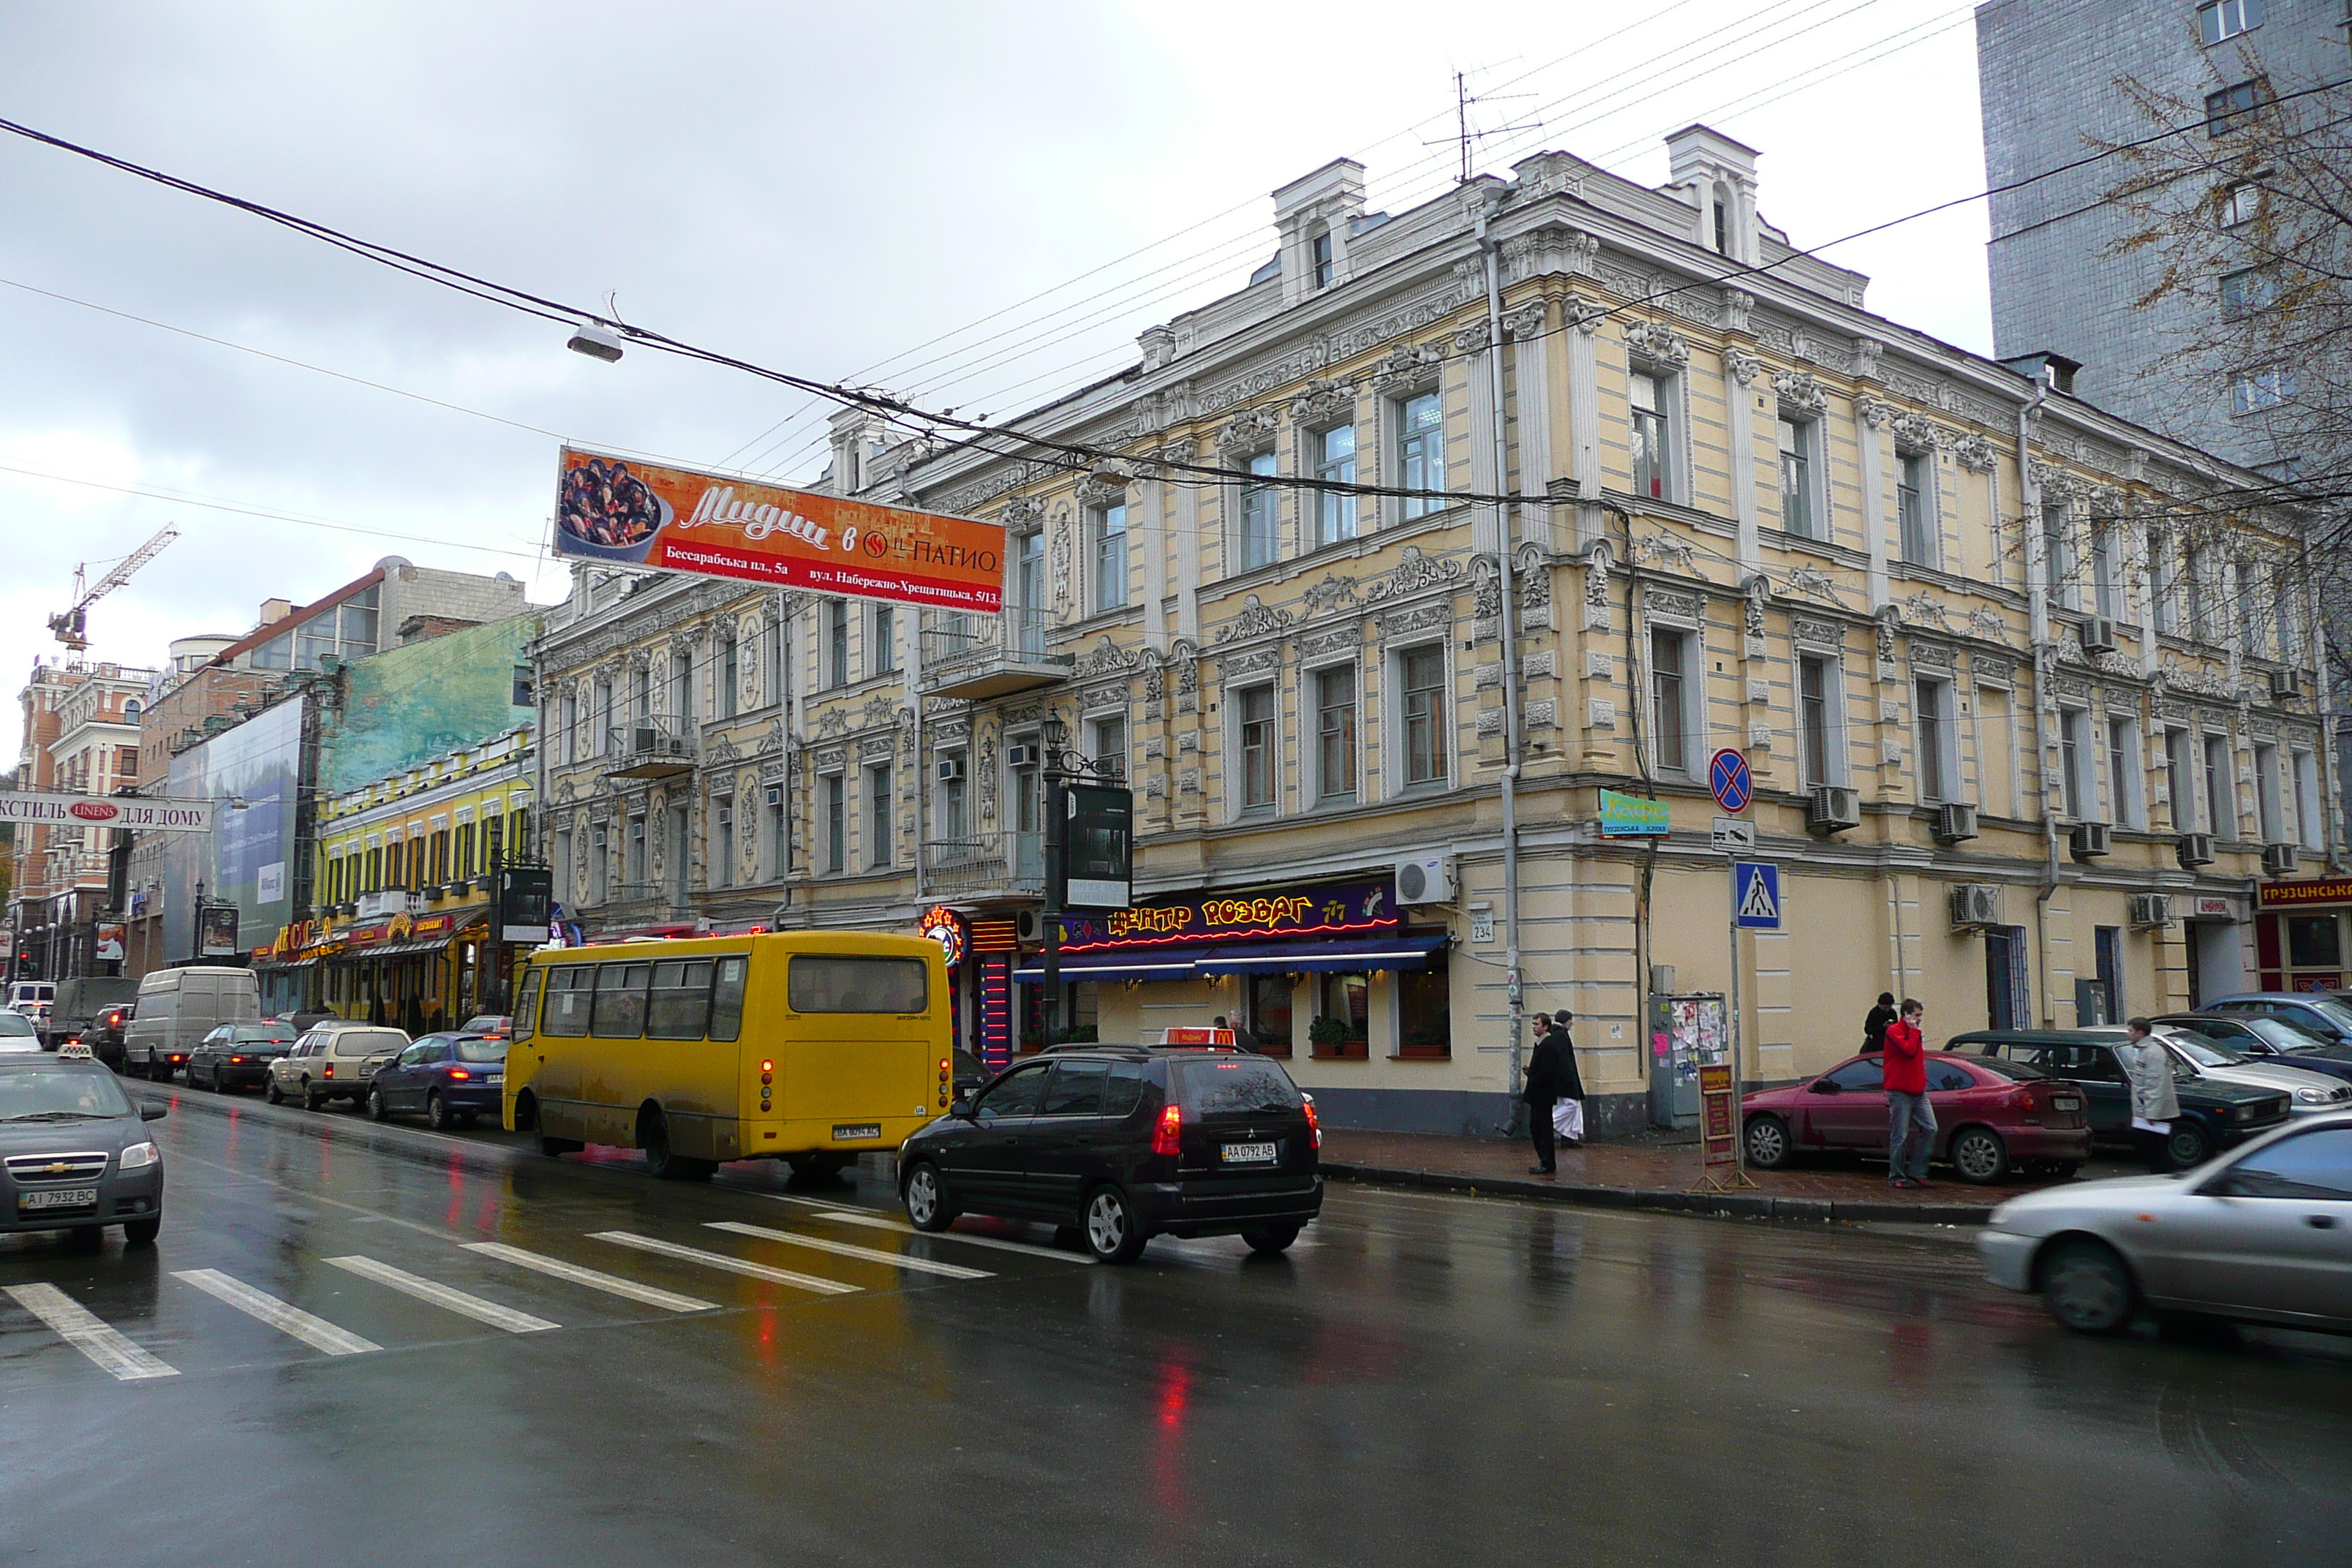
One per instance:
[(71, 627)]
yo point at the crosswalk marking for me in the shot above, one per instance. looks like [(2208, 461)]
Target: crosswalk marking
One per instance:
[(845, 1250), (439, 1295), (316, 1332), (720, 1260), (613, 1283), (79, 1327), (876, 1222)]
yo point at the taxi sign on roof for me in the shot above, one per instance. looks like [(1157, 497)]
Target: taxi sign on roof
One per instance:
[(73, 1051)]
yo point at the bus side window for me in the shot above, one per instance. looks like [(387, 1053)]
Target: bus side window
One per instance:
[(727, 999), (569, 989), (620, 1011), (527, 1004), (681, 999)]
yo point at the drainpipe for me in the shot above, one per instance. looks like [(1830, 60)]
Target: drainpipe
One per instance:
[(1503, 515), (2029, 500)]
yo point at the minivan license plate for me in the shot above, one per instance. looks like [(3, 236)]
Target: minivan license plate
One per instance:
[(857, 1130), (59, 1198), (1247, 1153)]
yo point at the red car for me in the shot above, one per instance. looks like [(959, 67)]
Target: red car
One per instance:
[(1992, 1117)]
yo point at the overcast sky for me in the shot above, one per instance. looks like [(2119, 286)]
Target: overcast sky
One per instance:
[(876, 193)]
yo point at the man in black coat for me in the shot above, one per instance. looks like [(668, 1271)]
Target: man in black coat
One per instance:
[(1551, 1077)]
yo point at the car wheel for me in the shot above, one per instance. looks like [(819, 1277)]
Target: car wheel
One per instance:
[(272, 1093), (2088, 1287), (376, 1106), (142, 1232), (926, 1197), (436, 1111), (1274, 1238), (1770, 1147), (312, 1100), (1979, 1156), (2188, 1145), (1112, 1233)]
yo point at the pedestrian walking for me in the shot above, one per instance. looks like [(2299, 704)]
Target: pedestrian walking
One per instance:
[(2154, 1106), (1242, 1039), (1910, 1120), (1874, 1025), (1552, 1078)]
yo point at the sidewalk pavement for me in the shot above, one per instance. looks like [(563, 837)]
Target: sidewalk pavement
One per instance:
[(1654, 1174)]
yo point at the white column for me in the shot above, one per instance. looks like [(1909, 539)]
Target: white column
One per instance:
[(1531, 372), (1584, 413), (1145, 501), (1188, 553), (1870, 417), (1740, 368)]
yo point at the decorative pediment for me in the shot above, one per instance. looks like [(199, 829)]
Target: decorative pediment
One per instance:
[(1414, 573), (1975, 453), (1256, 620), (1813, 582), (1250, 428), (1106, 658), (1988, 624), (1800, 390), (1689, 607), (1923, 609), (1665, 550), (1329, 595), (1407, 363), (1022, 512), (1323, 399), (1658, 343)]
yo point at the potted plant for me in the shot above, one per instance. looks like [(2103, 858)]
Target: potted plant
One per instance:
[(1330, 1037)]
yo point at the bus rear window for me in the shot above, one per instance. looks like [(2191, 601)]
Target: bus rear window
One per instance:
[(825, 982), (1225, 1085)]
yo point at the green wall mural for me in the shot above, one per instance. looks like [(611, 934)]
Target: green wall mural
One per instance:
[(409, 703)]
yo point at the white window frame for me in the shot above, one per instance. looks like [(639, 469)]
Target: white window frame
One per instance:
[(833, 819), (1399, 769), (1810, 488), (2078, 766), (2220, 786), (1237, 700), (1692, 731), (1925, 529), (1935, 728), (1262, 502), (2269, 818), (2221, 20), (1672, 407), (2258, 391), (1310, 710), (2127, 774), (2241, 204), (2181, 766), (2310, 822), (1335, 517), (1433, 478), (1102, 749), (1836, 769), (1105, 544)]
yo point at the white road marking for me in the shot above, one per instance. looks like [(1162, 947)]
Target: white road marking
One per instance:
[(79, 1327), (844, 1249), (442, 1295), (590, 1277), (875, 1221), (316, 1332), (720, 1260)]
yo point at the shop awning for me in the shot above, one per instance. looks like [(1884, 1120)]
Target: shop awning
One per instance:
[(405, 949), (1350, 957), (1144, 964)]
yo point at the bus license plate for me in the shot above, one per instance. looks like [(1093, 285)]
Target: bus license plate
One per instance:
[(1247, 1153), (857, 1130), (59, 1198), (2064, 1102)]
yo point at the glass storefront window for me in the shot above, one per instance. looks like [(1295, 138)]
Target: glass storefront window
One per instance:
[(1269, 1013), (1425, 1014), (1347, 999), (2312, 942)]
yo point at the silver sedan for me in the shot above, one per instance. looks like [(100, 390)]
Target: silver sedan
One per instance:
[(2309, 1093), (2261, 1234)]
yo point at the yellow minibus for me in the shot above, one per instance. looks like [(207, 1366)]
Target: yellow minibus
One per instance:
[(807, 1046)]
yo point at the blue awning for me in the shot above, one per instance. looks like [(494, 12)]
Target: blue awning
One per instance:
[(1145, 963), (1353, 957)]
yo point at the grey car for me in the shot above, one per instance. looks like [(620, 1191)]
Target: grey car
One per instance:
[(2308, 1093), (74, 1149), (2261, 1234)]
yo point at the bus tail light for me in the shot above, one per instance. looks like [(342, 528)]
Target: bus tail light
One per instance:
[(766, 1067), (1166, 1138), (1314, 1122)]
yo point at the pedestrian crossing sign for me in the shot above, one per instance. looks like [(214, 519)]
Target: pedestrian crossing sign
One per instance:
[(1755, 895)]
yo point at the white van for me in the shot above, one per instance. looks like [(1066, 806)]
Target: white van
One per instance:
[(177, 1007)]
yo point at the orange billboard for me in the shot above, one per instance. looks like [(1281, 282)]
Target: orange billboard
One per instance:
[(676, 519)]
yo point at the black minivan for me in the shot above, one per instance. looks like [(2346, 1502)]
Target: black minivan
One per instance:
[(1125, 1143)]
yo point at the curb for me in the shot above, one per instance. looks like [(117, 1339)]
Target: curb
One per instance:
[(1725, 1205)]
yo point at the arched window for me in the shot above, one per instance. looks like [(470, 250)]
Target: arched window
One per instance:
[(132, 709)]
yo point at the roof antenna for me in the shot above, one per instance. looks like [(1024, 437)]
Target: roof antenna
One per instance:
[(1465, 135)]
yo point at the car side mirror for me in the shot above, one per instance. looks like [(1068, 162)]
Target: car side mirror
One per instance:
[(153, 1112), (962, 1107), (1825, 1086)]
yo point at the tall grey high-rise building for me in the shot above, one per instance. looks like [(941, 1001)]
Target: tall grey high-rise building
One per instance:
[(2051, 73)]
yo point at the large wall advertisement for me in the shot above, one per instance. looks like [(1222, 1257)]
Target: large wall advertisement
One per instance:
[(250, 859)]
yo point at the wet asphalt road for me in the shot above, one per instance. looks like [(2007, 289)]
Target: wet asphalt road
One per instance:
[(1422, 1380)]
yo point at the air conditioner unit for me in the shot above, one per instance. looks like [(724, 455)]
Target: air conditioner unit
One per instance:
[(644, 740), (1425, 879), (2151, 909), (951, 769), (2194, 850), (1029, 927), (2287, 683), (1021, 756), (2280, 859), (2091, 840), (1976, 904), (1832, 809), (1955, 822), (2098, 635)]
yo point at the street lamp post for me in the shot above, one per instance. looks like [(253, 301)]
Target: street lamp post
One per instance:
[(1061, 767)]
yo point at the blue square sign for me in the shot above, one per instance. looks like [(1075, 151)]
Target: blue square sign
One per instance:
[(1755, 895)]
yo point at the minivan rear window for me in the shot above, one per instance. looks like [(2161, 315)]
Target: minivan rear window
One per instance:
[(841, 982), (1233, 1086)]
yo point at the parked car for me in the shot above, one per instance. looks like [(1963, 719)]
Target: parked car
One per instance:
[(452, 1079), (177, 1007), (1124, 1144), (18, 1035), (2314, 1013), (2213, 1115), (2268, 1037), (2264, 1235), (1992, 1117), (2308, 1093), (237, 1056), (495, 1025), (74, 1151), (334, 1062), (106, 1032)]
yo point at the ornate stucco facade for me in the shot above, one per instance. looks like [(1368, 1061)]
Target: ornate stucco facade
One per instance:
[(1733, 508)]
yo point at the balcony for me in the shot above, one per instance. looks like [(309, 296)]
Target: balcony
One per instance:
[(973, 656), (651, 747), (991, 864), (392, 901)]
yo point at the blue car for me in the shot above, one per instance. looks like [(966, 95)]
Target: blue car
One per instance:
[(450, 1079), (2324, 1017), (2261, 1037)]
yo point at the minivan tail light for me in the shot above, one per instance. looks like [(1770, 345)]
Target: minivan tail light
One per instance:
[(1314, 1122), (329, 1071), (1166, 1139)]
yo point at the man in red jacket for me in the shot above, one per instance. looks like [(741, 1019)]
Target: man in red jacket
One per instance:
[(1910, 1120)]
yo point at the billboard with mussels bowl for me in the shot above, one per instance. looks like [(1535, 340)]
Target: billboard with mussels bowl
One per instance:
[(678, 519)]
